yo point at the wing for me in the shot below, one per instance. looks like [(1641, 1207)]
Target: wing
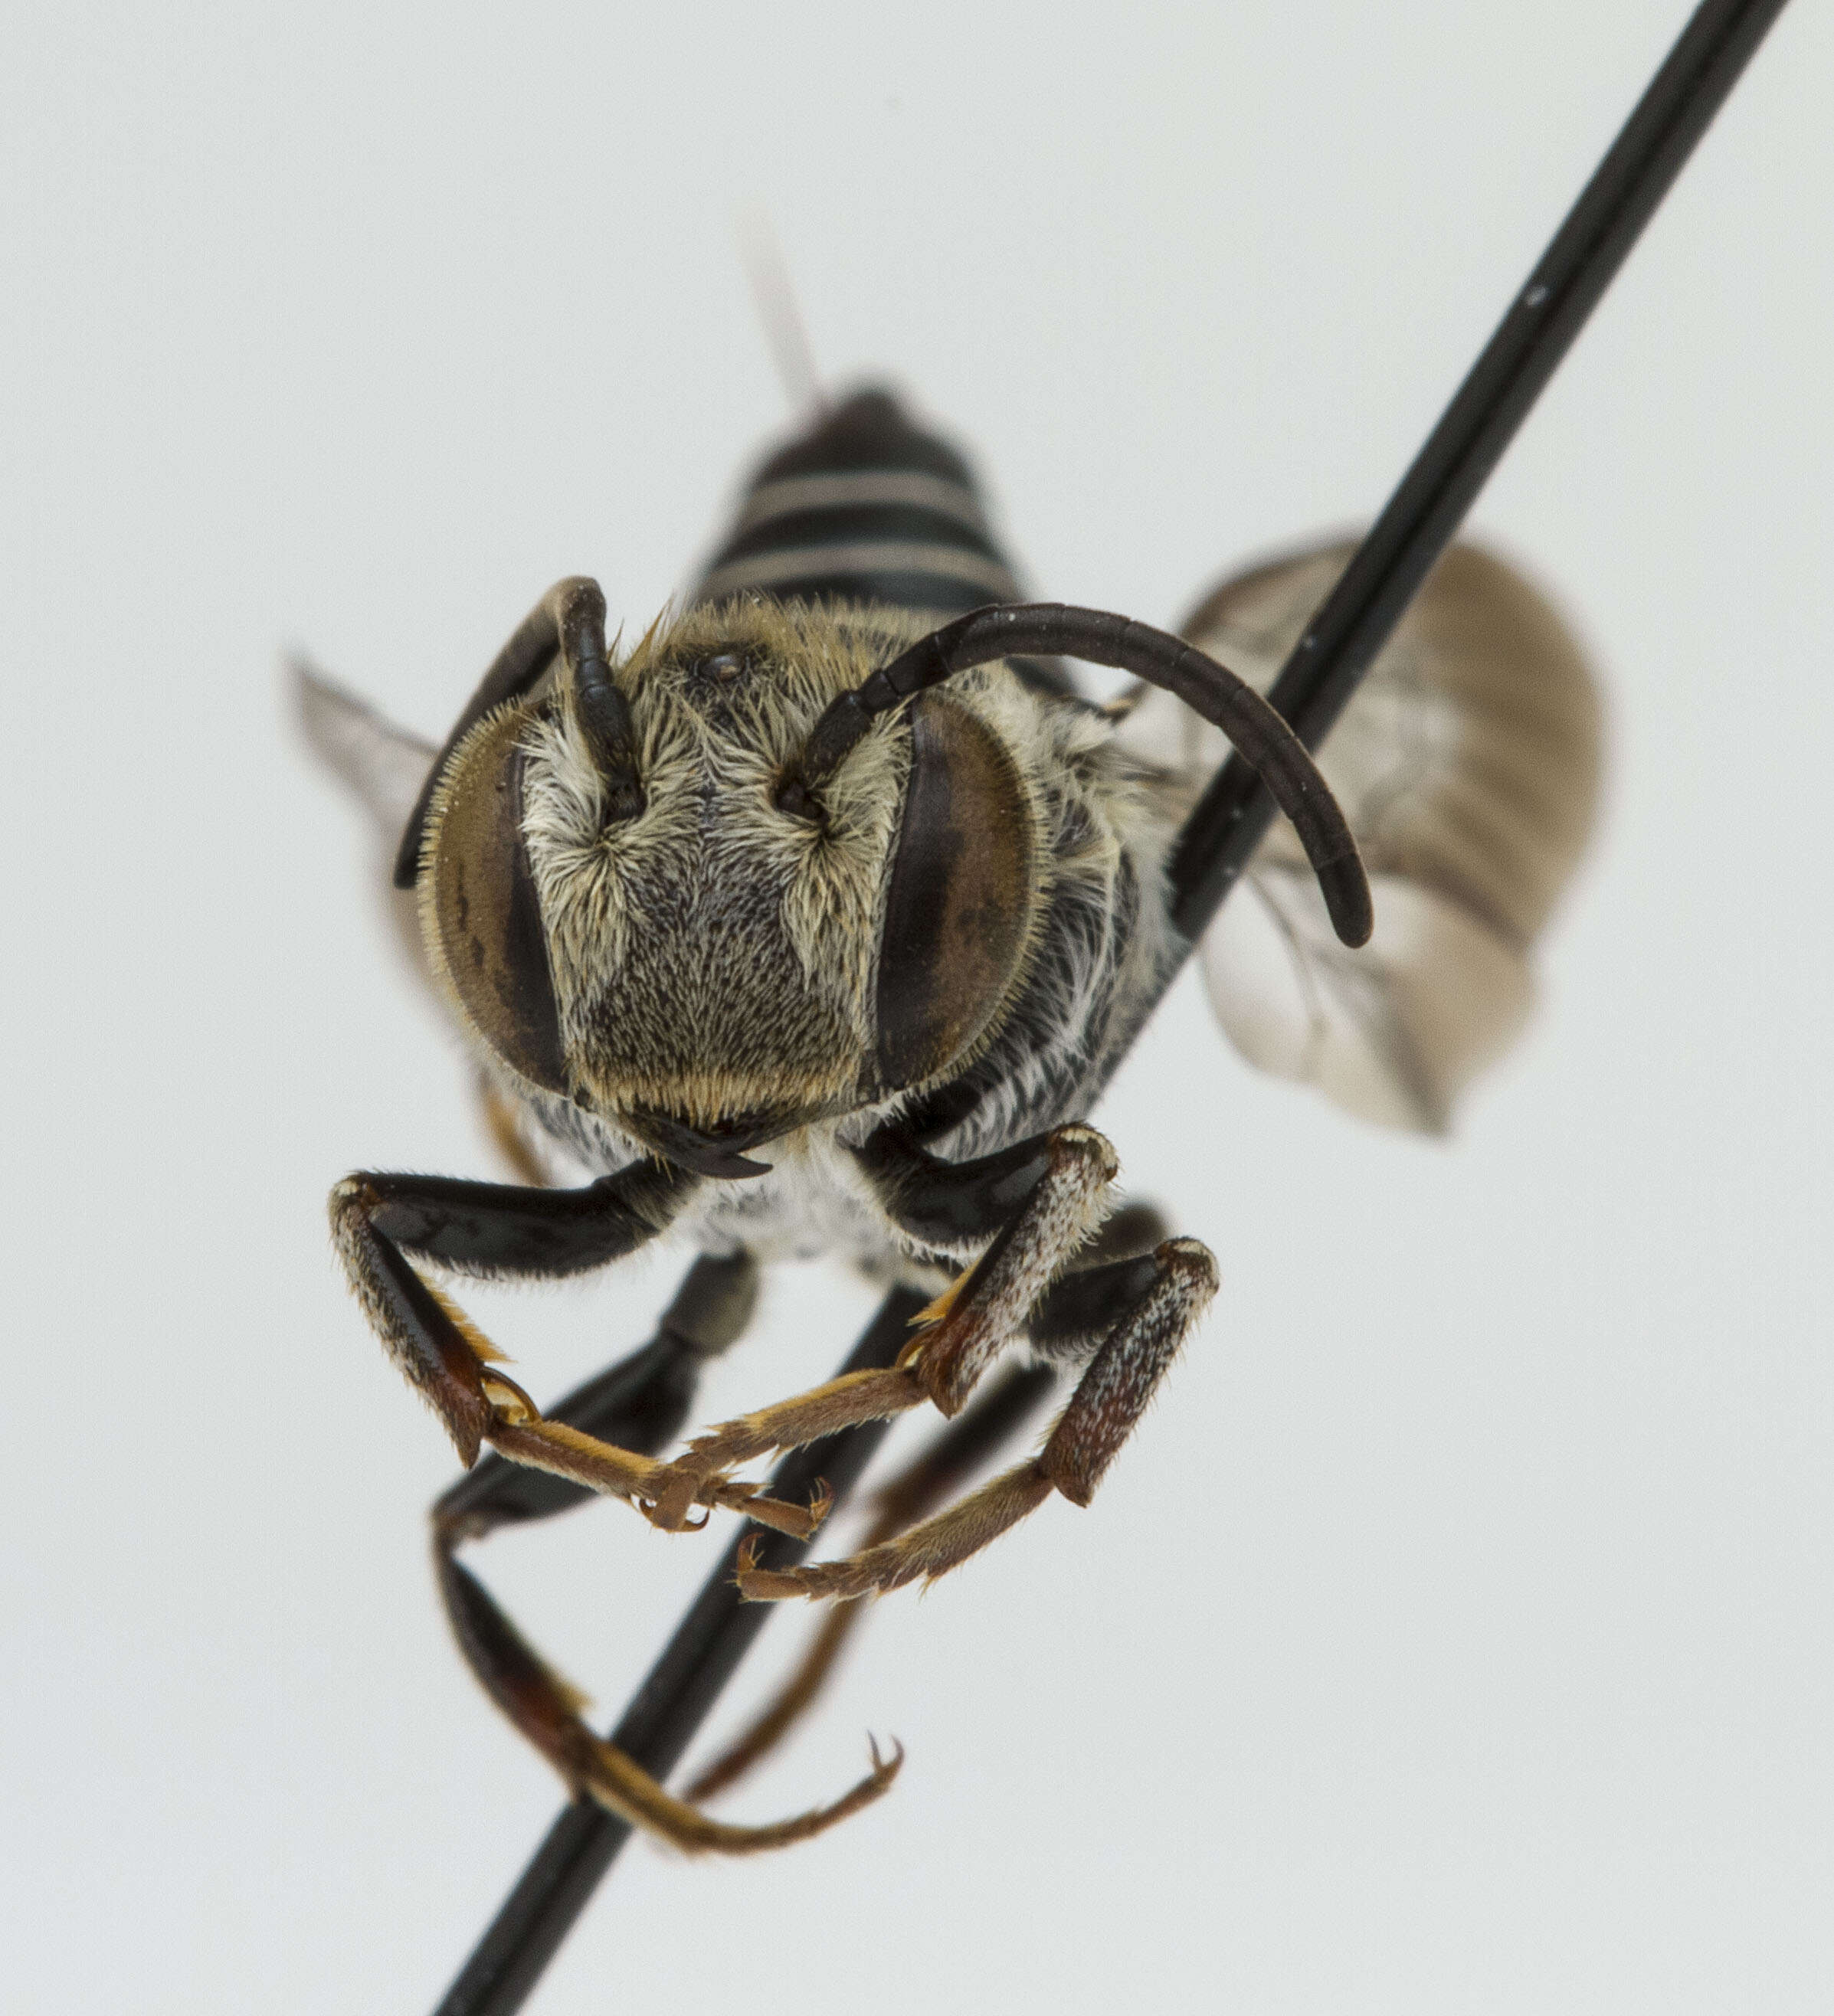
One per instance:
[(1469, 767), (383, 768)]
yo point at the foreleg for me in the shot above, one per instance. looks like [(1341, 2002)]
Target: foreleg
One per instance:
[(497, 1229), (1159, 1298), (640, 1404)]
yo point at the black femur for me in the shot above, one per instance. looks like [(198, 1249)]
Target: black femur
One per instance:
[(1229, 702)]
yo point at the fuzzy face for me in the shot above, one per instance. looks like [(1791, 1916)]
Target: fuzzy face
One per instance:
[(717, 962)]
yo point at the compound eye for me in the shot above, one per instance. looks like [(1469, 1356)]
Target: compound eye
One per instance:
[(479, 911), (960, 906)]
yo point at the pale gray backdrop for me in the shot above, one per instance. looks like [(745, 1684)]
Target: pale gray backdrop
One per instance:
[(1456, 1635)]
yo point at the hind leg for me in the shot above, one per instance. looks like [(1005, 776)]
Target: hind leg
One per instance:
[(963, 1445), (1135, 1314), (639, 1405)]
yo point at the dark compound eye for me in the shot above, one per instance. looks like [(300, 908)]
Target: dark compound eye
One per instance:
[(482, 910), (960, 906)]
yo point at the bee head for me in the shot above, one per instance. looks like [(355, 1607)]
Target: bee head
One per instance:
[(637, 901)]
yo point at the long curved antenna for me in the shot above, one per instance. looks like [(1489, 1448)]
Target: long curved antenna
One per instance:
[(1047, 628), (1678, 108)]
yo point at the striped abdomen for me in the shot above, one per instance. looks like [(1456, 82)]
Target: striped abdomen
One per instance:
[(865, 507)]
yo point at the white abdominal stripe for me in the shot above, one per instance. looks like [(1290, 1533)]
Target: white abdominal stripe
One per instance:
[(905, 536)]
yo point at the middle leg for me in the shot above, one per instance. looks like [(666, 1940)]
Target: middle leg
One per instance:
[(1135, 1313), (993, 1419), (1070, 1171)]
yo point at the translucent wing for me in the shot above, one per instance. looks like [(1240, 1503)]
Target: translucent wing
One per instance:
[(1468, 766), (383, 766)]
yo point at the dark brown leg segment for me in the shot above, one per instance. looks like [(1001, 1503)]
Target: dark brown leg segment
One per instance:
[(964, 1327), (994, 1418), (546, 1710), (988, 1306), (503, 1123), (639, 1406), (1110, 1398), (378, 1221)]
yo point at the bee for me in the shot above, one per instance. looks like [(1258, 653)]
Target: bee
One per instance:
[(815, 923)]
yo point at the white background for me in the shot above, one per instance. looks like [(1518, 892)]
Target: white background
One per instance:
[(1456, 1635)]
